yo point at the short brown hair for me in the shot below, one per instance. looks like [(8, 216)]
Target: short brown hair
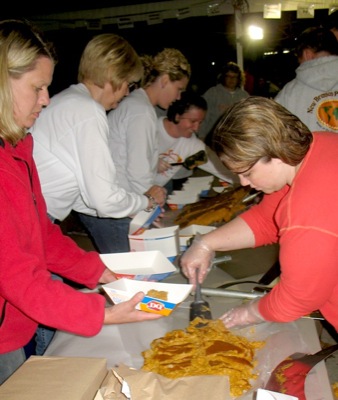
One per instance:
[(256, 128), (236, 69)]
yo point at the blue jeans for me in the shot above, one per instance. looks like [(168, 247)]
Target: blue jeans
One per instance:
[(44, 334), (43, 337), (109, 235), (10, 362)]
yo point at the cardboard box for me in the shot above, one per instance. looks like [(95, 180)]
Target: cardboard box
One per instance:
[(139, 265), (198, 185), (164, 240), (123, 289), (177, 202), (143, 220), (201, 179), (55, 378), (187, 233)]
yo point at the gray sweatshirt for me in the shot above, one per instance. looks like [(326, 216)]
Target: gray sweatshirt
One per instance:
[(313, 95)]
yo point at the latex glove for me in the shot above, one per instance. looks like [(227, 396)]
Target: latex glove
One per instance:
[(163, 165), (243, 315), (199, 255)]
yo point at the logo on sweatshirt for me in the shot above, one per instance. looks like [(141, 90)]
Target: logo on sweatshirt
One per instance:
[(327, 114)]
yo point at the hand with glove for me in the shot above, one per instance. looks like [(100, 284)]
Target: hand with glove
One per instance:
[(243, 315), (199, 255), (162, 165)]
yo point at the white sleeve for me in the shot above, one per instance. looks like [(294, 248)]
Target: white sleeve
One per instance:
[(281, 98), (142, 152), (96, 172)]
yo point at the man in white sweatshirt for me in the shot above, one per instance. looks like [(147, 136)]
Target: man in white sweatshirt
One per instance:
[(313, 95)]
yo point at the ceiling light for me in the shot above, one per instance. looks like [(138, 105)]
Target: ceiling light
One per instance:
[(255, 32)]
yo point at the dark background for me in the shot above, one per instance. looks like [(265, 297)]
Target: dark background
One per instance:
[(203, 40)]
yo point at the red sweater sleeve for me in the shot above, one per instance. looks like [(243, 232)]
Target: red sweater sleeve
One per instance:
[(31, 247), (261, 218)]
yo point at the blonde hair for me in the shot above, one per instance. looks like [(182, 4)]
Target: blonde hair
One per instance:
[(169, 61), (259, 128), (109, 58), (21, 45)]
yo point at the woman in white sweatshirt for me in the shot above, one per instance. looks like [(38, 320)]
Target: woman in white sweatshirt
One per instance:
[(133, 125)]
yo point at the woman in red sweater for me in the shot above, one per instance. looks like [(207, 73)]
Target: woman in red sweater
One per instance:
[(274, 152)]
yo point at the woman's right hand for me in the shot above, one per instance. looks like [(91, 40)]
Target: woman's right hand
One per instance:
[(126, 312), (199, 255), (162, 166)]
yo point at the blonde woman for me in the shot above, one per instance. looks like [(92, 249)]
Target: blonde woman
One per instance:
[(133, 126), (32, 247), (71, 143)]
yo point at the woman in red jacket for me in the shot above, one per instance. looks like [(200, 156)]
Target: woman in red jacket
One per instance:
[(31, 246)]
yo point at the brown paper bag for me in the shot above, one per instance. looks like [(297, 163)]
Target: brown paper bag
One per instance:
[(149, 386)]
